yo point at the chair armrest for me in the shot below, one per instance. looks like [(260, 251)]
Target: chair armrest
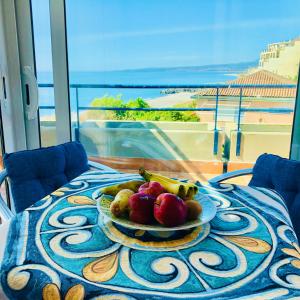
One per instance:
[(5, 212), (230, 175), (100, 166)]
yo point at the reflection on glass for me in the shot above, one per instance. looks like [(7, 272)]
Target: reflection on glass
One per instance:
[(181, 43), (43, 58), (3, 187)]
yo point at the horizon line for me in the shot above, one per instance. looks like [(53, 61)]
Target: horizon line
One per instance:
[(161, 68)]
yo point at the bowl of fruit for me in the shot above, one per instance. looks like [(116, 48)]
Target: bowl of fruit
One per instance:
[(157, 204)]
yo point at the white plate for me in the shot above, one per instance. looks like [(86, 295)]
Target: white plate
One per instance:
[(209, 211)]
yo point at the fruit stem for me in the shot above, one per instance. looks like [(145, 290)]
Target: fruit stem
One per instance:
[(144, 174), (181, 192)]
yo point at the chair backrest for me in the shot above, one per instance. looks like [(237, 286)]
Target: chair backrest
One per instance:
[(33, 174), (282, 175)]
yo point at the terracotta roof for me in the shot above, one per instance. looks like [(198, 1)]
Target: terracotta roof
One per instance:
[(262, 77)]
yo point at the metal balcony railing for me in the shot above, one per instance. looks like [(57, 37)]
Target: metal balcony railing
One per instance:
[(214, 109)]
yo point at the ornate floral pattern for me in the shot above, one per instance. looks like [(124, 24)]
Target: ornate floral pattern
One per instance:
[(57, 249)]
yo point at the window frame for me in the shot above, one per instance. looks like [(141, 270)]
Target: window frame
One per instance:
[(18, 20), (295, 136)]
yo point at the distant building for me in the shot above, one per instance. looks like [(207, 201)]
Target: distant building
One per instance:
[(252, 97), (261, 77), (282, 58)]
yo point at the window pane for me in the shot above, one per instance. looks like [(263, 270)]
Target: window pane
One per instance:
[(43, 57), (189, 45), (3, 187)]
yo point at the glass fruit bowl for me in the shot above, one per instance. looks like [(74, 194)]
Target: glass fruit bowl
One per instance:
[(209, 211)]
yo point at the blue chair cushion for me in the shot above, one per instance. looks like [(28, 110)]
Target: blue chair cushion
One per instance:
[(282, 175), (36, 173)]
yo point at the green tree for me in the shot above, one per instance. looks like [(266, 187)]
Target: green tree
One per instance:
[(110, 101)]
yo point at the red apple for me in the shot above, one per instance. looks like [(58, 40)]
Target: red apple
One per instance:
[(152, 188), (170, 210), (141, 208)]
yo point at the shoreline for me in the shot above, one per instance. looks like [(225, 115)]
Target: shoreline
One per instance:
[(168, 100), (171, 100)]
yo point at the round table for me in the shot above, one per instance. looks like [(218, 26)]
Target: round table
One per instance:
[(57, 249)]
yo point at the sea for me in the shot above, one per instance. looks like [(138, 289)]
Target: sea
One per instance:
[(151, 76)]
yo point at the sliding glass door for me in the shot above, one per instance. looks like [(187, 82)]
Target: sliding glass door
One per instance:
[(137, 67), (187, 88), (44, 71)]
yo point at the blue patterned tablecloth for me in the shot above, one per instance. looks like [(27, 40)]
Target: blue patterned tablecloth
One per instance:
[(57, 249)]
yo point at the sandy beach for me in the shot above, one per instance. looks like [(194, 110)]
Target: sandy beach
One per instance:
[(171, 100)]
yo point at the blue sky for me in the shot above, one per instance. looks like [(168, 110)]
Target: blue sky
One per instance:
[(130, 34)]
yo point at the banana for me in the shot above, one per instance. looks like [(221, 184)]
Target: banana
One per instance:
[(157, 177), (190, 193), (114, 189), (184, 190), (174, 188), (120, 204)]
